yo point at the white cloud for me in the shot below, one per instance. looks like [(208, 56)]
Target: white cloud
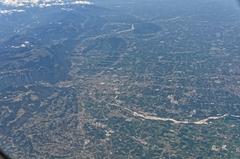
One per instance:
[(43, 3), (10, 11)]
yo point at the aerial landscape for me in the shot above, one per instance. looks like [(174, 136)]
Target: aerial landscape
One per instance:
[(112, 79)]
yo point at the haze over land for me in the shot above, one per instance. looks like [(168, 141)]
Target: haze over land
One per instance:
[(120, 79)]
